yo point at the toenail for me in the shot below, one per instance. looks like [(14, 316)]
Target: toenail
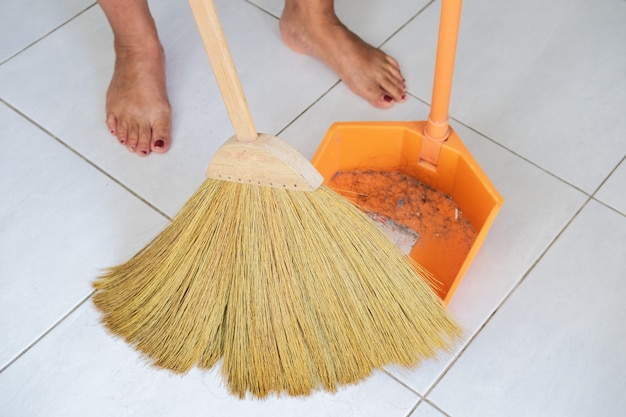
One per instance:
[(159, 143), (403, 97), (144, 152), (387, 98)]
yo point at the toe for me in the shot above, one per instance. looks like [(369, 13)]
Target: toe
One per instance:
[(161, 134), (160, 145), (375, 94), (383, 83), (122, 132), (111, 122), (394, 86), (133, 137), (143, 144), (397, 92), (392, 81), (392, 61), (384, 101)]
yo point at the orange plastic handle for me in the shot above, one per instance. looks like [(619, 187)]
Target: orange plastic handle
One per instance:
[(437, 128)]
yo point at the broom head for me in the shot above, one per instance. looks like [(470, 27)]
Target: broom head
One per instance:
[(292, 290)]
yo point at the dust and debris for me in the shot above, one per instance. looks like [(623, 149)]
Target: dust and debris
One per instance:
[(407, 202)]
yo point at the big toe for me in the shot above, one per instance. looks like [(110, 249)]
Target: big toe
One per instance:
[(376, 95), (383, 102), (387, 93), (161, 135)]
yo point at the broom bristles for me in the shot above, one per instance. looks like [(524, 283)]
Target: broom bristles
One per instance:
[(296, 291)]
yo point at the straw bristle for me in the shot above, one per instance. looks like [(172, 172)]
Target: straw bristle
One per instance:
[(296, 291)]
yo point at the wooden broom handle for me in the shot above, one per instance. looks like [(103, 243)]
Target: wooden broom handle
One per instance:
[(214, 39), (437, 128)]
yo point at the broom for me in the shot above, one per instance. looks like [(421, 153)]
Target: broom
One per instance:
[(264, 268)]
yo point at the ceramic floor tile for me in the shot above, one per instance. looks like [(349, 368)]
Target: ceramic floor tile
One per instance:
[(79, 370), (556, 347), (372, 20), (523, 229), (63, 88), (61, 223), (549, 94), (23, 22), (426, 410), (613, 191), (542, 78)]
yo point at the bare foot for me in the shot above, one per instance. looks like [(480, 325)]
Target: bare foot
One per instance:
[(367, 71), (137, 106)]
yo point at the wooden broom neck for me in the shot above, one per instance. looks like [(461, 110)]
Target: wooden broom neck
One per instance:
[(223, 65)]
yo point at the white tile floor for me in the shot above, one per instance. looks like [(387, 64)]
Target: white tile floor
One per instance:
[(539, 99)]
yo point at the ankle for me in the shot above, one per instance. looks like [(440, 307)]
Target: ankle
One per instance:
[(308, 15), (137, 45), (308, 29), (307, 10), (139, 55)]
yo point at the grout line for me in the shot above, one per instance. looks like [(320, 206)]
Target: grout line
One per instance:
[(46, 332), (402, 26), (609, 175), (593, 195), (84, 158), (399, 381), (433, 405), (308, 107), (609, 207), (521, 157), (421, 400), (49, 33), (504, 300), (418, 99), (252, 3), (412, 410)]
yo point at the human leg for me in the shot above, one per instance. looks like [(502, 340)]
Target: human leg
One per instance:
[(137, 105), (312, 27)]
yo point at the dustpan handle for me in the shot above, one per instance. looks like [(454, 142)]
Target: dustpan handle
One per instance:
[(214, 39), (437, 128)]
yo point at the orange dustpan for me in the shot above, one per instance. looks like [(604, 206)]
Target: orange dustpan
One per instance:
[(430, 152)]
